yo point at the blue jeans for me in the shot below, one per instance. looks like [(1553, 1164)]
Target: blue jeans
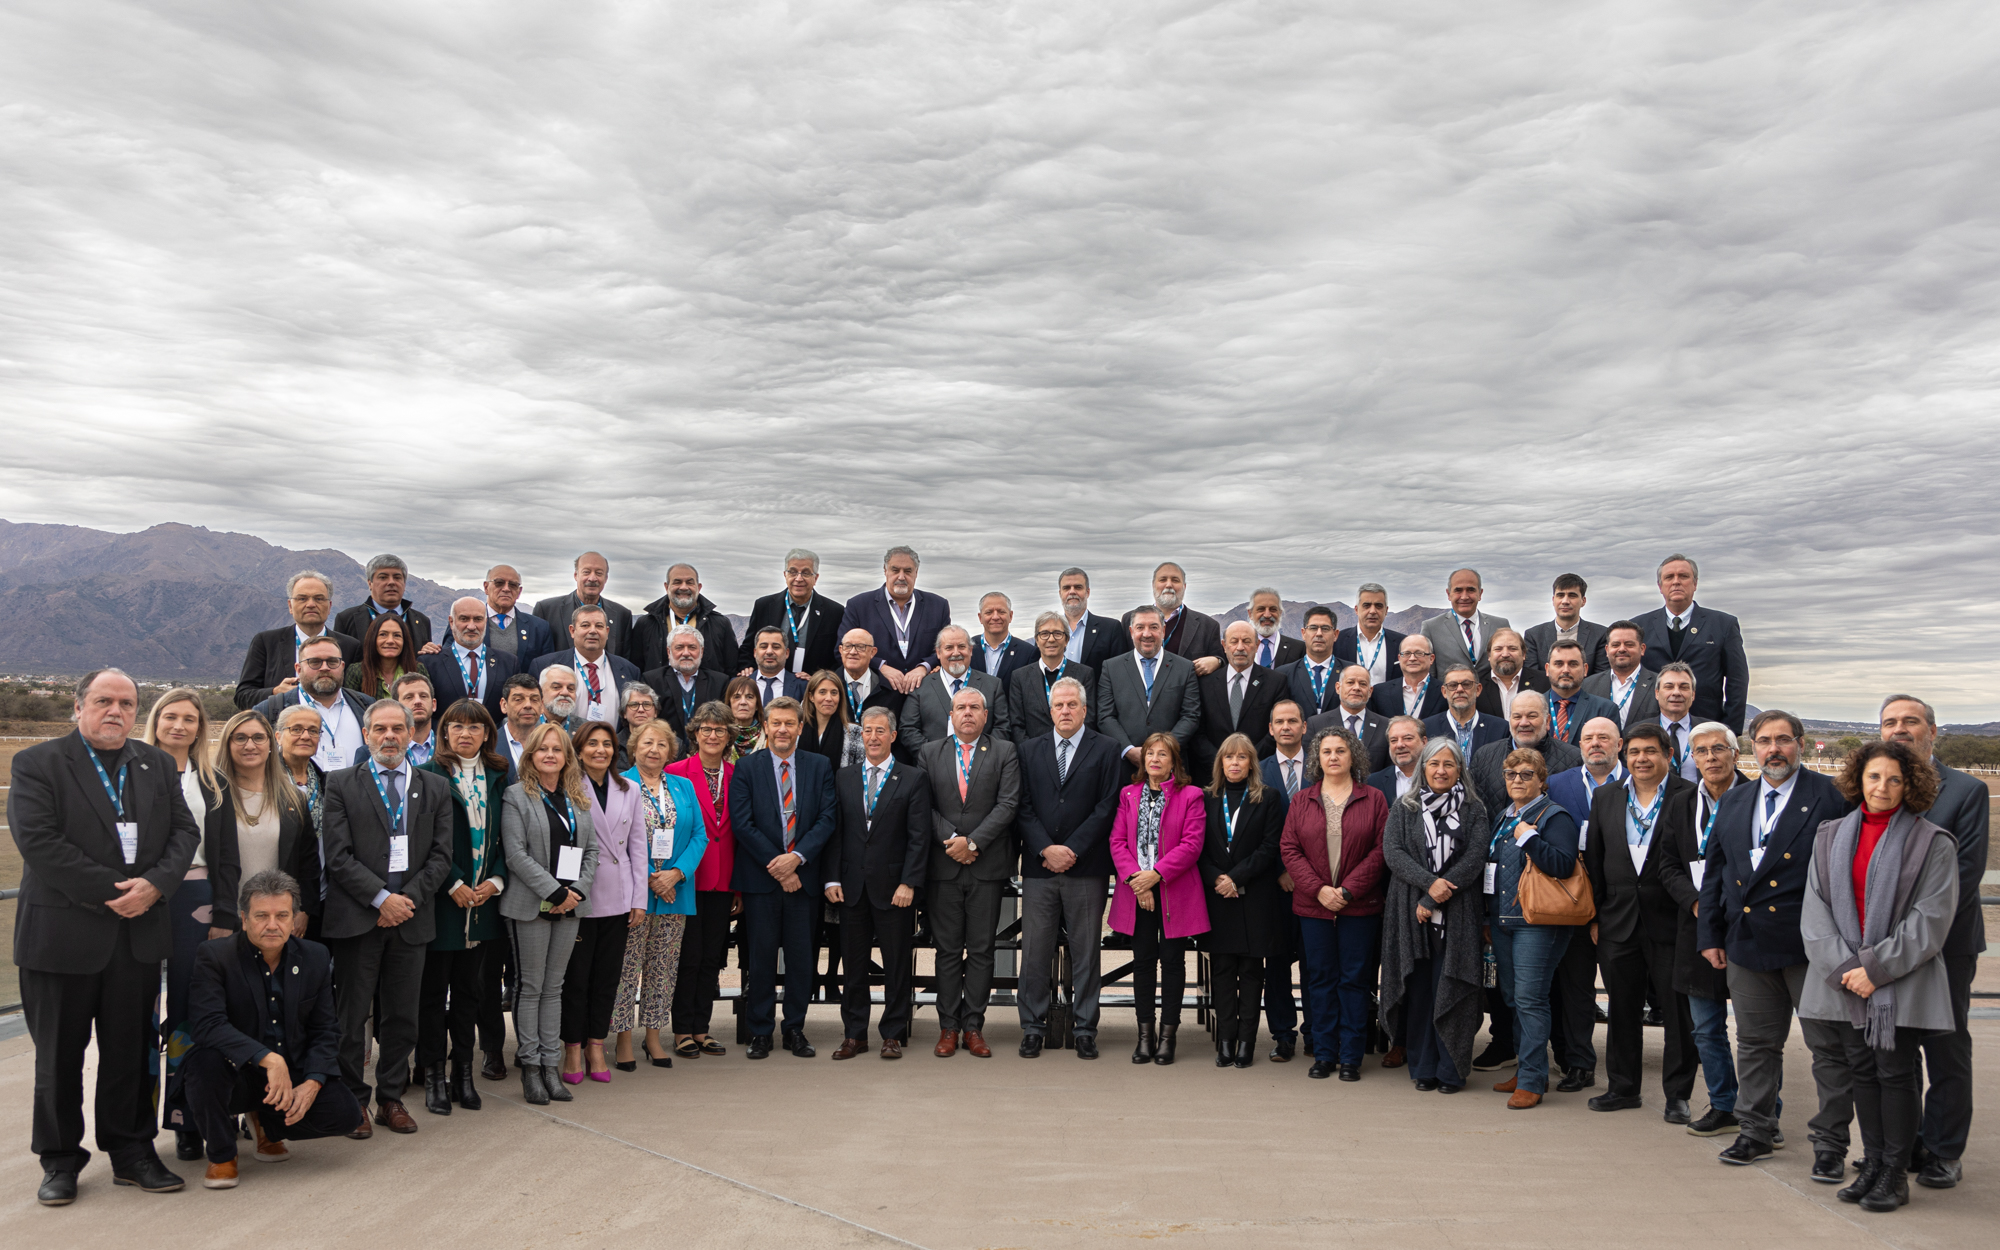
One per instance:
[(1526, 957), (1711, 1042), (1337, 957)]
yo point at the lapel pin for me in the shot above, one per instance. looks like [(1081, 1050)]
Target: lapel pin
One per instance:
[(295, 970), (145, 767)]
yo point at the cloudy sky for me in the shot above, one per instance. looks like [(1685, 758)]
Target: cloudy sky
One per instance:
[(1306, 293)]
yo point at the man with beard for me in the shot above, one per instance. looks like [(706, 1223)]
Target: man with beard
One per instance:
[(684, 684), (591, 572), (1462, 720), (270, 666), (1406, 741), (998, 653), (320, 671), (509, 630), (558, 685), (903, 621), (600, 675), (1416, 692), (1093, 639), (774, 680), (1192, 635), (811, 622), (1267, 613), (1626, 683), (472, 667), (1507, 673), (1368, 644), (1028, 690), (1570, 708), (413, 691), (926, 715), (682, 605)]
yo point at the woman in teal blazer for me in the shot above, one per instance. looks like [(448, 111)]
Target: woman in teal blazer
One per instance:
[(675, 839)]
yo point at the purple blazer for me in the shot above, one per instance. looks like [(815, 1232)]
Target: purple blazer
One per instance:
[(1183, 826), (621, 851)]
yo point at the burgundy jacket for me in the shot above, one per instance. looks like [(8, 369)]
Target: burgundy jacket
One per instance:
[(1362, 872)]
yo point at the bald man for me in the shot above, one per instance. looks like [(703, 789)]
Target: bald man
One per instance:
[(591, 572), (1236, 698), (470, 667)]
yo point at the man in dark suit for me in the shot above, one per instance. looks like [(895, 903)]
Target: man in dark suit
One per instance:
[(926, 715), (1417, 691), (1028, 689), (523, 635), (1365, 642), (386, 833), (1626, 683), (1507, 673), (321, 674), (875, 864), (1568, 597), (591, 572), (1093, 639), (1963, 808), (1527, 726), (767, 657), (782, 808), (975, 780), (1236, 698), (270, 665), (104, 836), (1707, 641), (1311, 679), (1267, 615), (903, 621), (1752, 892), (684, 684), (813, 623), (1638, 922), (387, 577), (1194, 636), (1406, 742), (996, 652), (1569, 706), (683, 604), (601, 675), (1148, 691), (866, 688), (1462, 721), (266, 1040), (1069, 794), (470, 668), (1286, 1012), (1372, 728)]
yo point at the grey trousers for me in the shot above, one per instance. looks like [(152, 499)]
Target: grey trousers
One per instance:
[(965, 918), (541, 956), (1764, 1003), (1078, 904)]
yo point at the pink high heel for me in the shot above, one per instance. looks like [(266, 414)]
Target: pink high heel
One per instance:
[(572, 1078), (605, 1077)]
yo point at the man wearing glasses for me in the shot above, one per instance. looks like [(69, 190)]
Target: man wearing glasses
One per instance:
[(865, 687), (320, 670), (1028, 688), (1462, 721), (523, 635), (270, 666)]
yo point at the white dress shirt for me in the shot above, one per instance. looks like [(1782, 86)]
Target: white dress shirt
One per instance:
[(1686, 723), (1373, 654), (1458, 624), (1623, 693), (1760, 832), (605, 706), (340, 735)]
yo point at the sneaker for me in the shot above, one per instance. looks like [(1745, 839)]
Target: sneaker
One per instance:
[(220, 1176), (1494, 1057), (1713, 1123)]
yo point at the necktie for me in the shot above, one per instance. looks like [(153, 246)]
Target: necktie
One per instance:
[(1471, 648), (1675, 730), (1291, 777), (1319, 683), (1675, 632), (1770, 816), (501, 620), (854, 695), (1562, 718), (393, 782), (964, 768), (1235, 698), (590, 680), (957, 684), (1146, 666), (1062, 761), (1264, 652), (769, 693), (471, 675), (788, 802), (1354, 725), (874, 787)]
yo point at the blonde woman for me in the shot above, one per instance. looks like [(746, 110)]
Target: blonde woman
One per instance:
[(265, 823)]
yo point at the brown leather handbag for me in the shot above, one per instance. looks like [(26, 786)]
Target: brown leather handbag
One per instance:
[(1545, 900)]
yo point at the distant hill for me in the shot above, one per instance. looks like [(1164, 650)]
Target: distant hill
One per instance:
[(1407, 621)]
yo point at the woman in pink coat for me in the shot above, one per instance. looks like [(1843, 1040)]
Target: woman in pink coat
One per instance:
[(1155, 843)]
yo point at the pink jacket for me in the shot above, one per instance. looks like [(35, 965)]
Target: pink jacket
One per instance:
[(1183, 826), (620, 884)]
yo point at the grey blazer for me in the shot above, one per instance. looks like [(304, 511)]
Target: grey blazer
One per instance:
[(524, 835), (1909, 958), (927, 713), (985, 814), (1448, 641), (1641, 707), (1123, 712)]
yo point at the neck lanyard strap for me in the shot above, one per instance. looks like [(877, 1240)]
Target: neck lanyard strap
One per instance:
[(116, 793)]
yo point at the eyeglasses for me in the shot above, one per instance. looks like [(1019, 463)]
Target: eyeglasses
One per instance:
[(249, 740), (855, 646), (1713, 749), (504, 585), (336, 662), (1782, 740), (1461, 685), (1521, 774), (301, 731), (711, 729), (311, 599)]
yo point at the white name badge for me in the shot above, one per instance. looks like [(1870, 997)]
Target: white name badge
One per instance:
[(1695, 868), (128, 840), (1492, 874), (569, 863), (1583, 837), (663, 845), (1756, 858), (399, 852)]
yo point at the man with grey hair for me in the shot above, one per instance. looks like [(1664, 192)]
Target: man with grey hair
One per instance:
[(1028, 690), (388, 577), (1710, 643), (811, 621), (1148, 690), (926, 714), (1674, 688), (557, 683), (521, 634), (1093, 639), (1528, 727), (1194, 636), (321, 672), (683, 606), (386, 833), (269, 666), (903, 621), (1237, 698), (1267, 617), (684, 683), (591, 572), (471, 667), (1462, 635), (997, 653), (1367, 642)]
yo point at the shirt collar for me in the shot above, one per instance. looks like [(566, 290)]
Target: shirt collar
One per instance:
[(1073, 737), (1784, 791)]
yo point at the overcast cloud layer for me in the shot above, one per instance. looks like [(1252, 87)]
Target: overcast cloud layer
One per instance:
[(1301, 293)]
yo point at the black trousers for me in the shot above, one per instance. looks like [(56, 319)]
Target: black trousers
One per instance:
[(1500, 1019), (772, 921), (965, 917), (864, 923), (218, 1091), (1235, 981), (449, 1005), (704, 949), (1888, 1093), (382, 972), (1575, 1003), (1948, 1064), (590, 987), (1630, 966), (62, 1011), (1281, 1008), (496, 957), (1158, 962)]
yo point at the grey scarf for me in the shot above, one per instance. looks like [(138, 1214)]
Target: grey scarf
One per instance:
[(1892, 877)]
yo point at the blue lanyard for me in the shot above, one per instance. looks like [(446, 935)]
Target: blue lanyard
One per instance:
[(991, 651), (791, 624), (563, 813), (1422, 690), (1714, 806), (1503, 834), (1316, 673), (1229, 816), (881, 779), (374, 611), (1626, 702), (396, 816), (687, 703), (658, 802), (475, 663), (115, 792), (853, 699), (1646, 818), (1361, 657), (965, 761)]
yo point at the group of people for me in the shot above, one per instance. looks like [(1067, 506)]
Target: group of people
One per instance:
[(400, 835)]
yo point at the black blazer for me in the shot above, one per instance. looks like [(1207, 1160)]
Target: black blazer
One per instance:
[(298, 854), (557, 611), (871, 855), (832, 746), (354, 622), (1374, 733), (1263, 688), (1589, 635), (448, 679), (1640, 706), (1485, 729), (1253, 922), (666, 684), (1964, 809), (647, 646), (1634, 904), (1018, 654), (66, 830), (929, 613), (1028, 700), (1102, 639), (1489, 692), (1692, 973), (1191, 635), (1713, 648), (1298, 684), (273, 657), (1347, 650), (355, 846), (1753, 915), (1076, 811), (1287, 650), (1388, 698), (226, 1005), (823, 619)]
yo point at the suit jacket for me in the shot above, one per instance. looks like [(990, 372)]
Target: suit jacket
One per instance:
[(823, 620), (1485, 729), (1692, 973), (1488, 767), (929, 613), (273, 657), (871, 854), (1128, 718), (1589, 635), (1274, 777), (647, 646), (298, 854), (1191, 635), (1385, 780), (623, 672), (67, 832), (227, 1008), (1752, 914), (1584, 708), (1374, 733), (1640, 705), (792, 687), (1964, 810), (1573, 792), (1102, 639), (666, 684), (448, 679), (354, 842), (927, 712), (1448, 641), (1388, 698), (1347, 650), (1633, 904), (557, 612), (1261, 689), (1489, 690), (524, 838), (1028, 699), (1713, 648), (985, 815), (758, 821), (1019, 654), (1299, 687), (1073, 810), (354, 622), (531, 635), (1287, 650)]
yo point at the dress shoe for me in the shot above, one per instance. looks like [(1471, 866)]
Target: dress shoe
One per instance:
[(552, 1082), (947, 1044), (187, 1146), (1744, 1151), (1777, 1139), (892, 1048), (437, 1091), (795, 1041), (392, 1116), (631, 1065), (1282, 1050), (1713, 1123), (1676, 1112), (1321, 1070), (1892, 1190), (1350, 1071), (570, 1078), (1449, 1089), (1829, 1167), (362, 1131), (1086, 1047), (495, 1066), (759, 1048), (1031, 1045), (1395, 1058), (977, 1045), (58, 1188), (1507, 1086), (1494, 1058), (1169, 1034), (1246, 1053), (220, 1176), (1425, 1084), (1521, 1100), (1615, 1102), (266, 1150), (1148, 1045), (1941, 1173), (1225, 1054), (710, 1046), (531, 1086), (1576, 1079), (464, 1090), (148, 1173), (1864, 1180), (850, 1047)]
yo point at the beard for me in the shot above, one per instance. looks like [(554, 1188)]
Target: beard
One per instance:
[(1507, 668), (561, 707), (682, 604), (1265, 631), (1074, 605), (324, 686), (389, 755), (1167, 600), (955, 672), (1778, 771)]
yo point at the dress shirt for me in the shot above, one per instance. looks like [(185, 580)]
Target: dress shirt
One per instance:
[(1639, 838), (340, 731), (770, 685), (605, 706), (1760, 832), (857, 690), (1354, 720), (1373, 654), (1299, 774), (777, 762), (1238, 686), (420, 753), (1073, 650), (991, 658), (401, 771), (1685, 764), (1567, 635), (1619, 776), (476, 693), (513, 743), (900, 622), (1404, 781), (801, 617), (1458, 626), (1413, 696), (1621, 694), (1267, 649), (1507, 693)]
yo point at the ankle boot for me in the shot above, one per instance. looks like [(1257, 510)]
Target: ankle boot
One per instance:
[(1148, 1044), (1225, 1054), (1864, 1180), (1246, 1052), (552, 1082), (1166, 1051), (1892, 1190), (463, 1092), (531, 1085), (437, 1094)]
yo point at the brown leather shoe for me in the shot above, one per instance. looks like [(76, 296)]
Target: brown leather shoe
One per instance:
[(220, 1175), (892, 1049), (947, 1045), (1522, 1100), (268, 1151), (362, 1131), (390, 1115), (850, 1047), (1394, 1058), (495, 1067), (1506, 1087), (977, 1045)]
